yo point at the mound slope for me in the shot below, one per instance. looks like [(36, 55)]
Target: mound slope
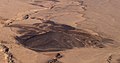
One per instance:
[(51, 36)]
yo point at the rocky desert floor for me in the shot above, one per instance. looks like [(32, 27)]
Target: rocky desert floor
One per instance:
[(92, 18)]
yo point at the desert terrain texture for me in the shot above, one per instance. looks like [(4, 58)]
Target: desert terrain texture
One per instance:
[(59, 31)]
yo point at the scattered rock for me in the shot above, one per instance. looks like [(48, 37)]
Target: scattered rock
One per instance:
[(109, 59), (114, 58), (26, 16), (54, 61), (58, 56), (7, 54)]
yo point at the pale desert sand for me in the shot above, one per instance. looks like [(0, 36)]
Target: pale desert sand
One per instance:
[(95, 16)]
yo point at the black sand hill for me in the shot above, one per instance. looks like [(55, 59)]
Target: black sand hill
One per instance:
[(51, 36)]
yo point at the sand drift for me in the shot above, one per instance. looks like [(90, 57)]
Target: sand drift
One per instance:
[(51, 36)]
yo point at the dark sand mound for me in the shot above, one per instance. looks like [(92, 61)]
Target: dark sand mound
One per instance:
[(50, 36)]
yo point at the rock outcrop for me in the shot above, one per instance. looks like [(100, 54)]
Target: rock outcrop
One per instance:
[(51, 36)]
